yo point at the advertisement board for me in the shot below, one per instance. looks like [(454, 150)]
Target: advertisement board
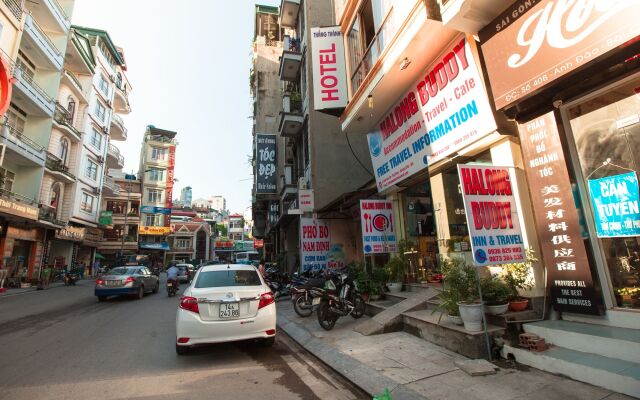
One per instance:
[(18, 209), (154, 230), (616, 205), (106, 218), (445, 110), (492, 214), (329, 68), (155, 210), (305, 200), (378, 230), (266, 161), (315, 244)]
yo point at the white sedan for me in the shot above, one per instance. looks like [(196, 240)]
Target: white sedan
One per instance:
[(225, 303)]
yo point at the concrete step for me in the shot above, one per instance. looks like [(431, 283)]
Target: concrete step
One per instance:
[(610, 373), (606, 341), (511, 317), (419, 287)]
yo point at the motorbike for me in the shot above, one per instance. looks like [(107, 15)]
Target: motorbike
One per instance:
[(172, 287), (303, 292), (339, 298), (70, 279)]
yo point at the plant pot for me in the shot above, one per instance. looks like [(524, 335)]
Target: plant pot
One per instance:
[(455, 319), (471, 314), (496, 309), (365, 296), (394, 287), (518, 304)]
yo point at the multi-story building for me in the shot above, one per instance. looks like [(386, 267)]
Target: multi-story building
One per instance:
[(34, 41), (235, 230), (190, 241), (218, 203), (157, 163), (186, 195)]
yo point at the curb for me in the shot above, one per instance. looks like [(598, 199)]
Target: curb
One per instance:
[(361, 375), (34, 289)]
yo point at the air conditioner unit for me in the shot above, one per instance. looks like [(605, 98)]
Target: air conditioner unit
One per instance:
[(302, 183), (109, 103), (105, 130), (96, 191), (113, 78), (101, 159)]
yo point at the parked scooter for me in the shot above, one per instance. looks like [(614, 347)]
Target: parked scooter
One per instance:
[(303, 291), (172, 287), (70, 279), (339, 298)]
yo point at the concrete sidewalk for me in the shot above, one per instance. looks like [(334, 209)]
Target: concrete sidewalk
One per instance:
[(413, 368), (17, 291)]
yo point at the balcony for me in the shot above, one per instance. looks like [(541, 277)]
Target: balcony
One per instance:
[(289, 13), (50, 14), (121, 100), (31, 97), (19, 144), (50, 215), (110, 186), (64, 121), (290, 59), (114, 158), (118, 130), (289, 188), (71, 80), (291, 117), (15, 7), (55, 166), (37, 39)]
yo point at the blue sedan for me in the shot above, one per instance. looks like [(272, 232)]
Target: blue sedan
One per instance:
[(130, 280)]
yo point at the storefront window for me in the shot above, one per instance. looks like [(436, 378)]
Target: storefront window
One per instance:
[(420, 230), (606, 130)]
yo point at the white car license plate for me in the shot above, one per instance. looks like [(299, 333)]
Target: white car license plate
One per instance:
[(229, 310), (316, 301), (112, 283)]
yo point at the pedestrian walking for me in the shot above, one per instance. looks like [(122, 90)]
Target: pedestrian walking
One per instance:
[(81, 270), (261, 267), (46, 276)]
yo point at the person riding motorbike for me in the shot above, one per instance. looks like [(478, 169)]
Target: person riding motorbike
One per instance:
[(172, 275)]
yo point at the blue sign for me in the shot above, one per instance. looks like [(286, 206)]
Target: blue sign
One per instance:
[(616, 205), (155, 246), (155, 210)]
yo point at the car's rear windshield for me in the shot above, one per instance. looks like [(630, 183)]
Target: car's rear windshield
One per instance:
[(123, 271), (228, 277)]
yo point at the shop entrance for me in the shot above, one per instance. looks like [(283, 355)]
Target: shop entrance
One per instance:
[(18, 263), (604, 136)]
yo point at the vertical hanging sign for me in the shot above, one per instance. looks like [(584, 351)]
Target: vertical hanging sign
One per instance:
[(315, 244), (329, 70), (168, 203), (378, 231), (563, 250), (266, 159)]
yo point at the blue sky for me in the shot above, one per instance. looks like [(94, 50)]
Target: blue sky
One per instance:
[(188, 63)]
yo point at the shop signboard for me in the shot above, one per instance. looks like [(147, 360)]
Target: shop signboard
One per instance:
[(258, 243), (315, 244), (556, 216), (171, 165), (266, 161), (6, 84), (155, 210), (616, 205), (154, 230), (444, 111), (72, 233), (305, 200), (106, 218), (244, 245), (274, 212), (378, 231), (533, 43), (329, 69), (492, 214), (18, 209), (223, 244), (22, 233)]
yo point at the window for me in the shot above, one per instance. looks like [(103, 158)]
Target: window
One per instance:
[(154, 196), (54, 200), (64, 150), (104, 86), (16, 118), (71, 108), (153, 220), (156, 175), (86, 204), (92, 170), (183, 243), (106, 54), (100, 111), (96, 139), (228, 278), (27, 68), (6, 179), (158, 153), (119, 80)]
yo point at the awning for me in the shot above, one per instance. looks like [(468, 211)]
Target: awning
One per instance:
[(155, 246), (99, 256)]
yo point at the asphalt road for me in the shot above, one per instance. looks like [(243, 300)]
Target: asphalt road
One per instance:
[(62, 344)]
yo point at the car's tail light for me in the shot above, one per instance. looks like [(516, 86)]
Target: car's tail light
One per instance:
[(189, 303), (99, 282), (270, 332), (130, 279), (183, 340), (265, 300)]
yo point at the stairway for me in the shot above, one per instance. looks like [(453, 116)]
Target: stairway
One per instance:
[(600, 355)]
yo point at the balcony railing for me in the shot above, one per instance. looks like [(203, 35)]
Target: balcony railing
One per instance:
[(74, 79), (364, 65), (17, 197), (26, 78), (158, 138), (54, 163), (59, 8), (49, 214), (46, 37), (116, 153), (15, 7), (110, 184), (13, 131)]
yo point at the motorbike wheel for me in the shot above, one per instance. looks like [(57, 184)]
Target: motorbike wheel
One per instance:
[(157, 288), (299, 306), (326, 318), (359, 307)]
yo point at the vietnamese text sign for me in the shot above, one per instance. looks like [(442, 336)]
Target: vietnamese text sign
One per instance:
[(315, 244), (154, 230), (329, 71), (71, 233), (563, 251), (106, 218), (266, 159), (492, 215), (378, 231), (155, 210), (533, 43), (615, 205), (446, 109), (305, 200), (18, 209)]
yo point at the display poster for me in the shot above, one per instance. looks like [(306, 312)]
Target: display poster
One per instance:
[(444, 111), (563, 251), (154, 230), (315, 244), (615, 205), (106, 218), (329, 69), (492, 214), (266, 161), (378, 230), (155, 210), (305, 200)]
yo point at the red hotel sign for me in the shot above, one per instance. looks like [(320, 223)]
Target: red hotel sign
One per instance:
[(6, 82), (535, 42), (563, 250)]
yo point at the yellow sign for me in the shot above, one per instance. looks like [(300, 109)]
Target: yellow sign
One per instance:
[(154, 230), (19, 209)]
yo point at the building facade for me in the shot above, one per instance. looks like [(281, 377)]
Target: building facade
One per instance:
[(218, 203), (190, 241), (186, 196)]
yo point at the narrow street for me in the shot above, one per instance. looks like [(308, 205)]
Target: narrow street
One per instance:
[(63, 344)]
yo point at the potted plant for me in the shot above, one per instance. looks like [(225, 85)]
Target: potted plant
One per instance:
[(364, 284), (395, 271), (462, 280), (496, 294), (517, 276), (378, 280), (449, 305)]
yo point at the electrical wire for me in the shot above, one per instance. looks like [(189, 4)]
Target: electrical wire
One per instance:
[(346, 135)]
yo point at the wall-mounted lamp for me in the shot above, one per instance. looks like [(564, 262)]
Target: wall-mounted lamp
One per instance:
[(404, 63), (370, 100)]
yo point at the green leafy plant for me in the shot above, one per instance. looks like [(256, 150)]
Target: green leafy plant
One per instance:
[(395, 268), (365, 282), (448, 302), (518, 275), (495, 290), (461, 279)]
